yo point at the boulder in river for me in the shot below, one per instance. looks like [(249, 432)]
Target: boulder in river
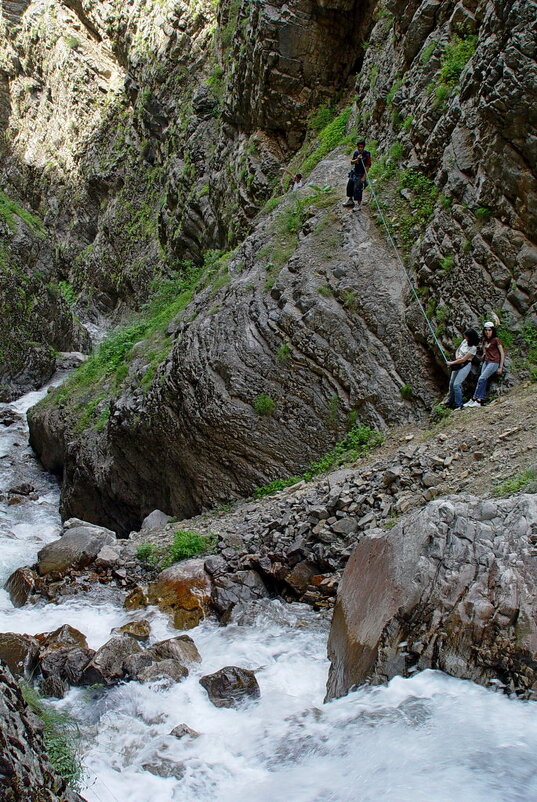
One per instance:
[(184, 590), (19, 653), (20, 586), (451, 587), (108, 663), (77, 548), (230, 686), (140, 629)]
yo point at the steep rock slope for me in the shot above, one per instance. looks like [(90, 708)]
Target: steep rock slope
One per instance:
[(141, 133), (319, 337), (36, 320), (168, 187), (452, 87)]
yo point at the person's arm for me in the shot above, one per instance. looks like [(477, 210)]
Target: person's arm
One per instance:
[(461, 360), (502, 357)]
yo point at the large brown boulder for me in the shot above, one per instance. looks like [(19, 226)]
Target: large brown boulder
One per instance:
[(20, 586), (19, 653), (452, 587), (184, 591)]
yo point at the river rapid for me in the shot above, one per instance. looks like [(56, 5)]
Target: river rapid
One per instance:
[(428, 738)]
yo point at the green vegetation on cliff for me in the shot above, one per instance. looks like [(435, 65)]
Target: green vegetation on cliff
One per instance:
[(358, 441), (60, 734)]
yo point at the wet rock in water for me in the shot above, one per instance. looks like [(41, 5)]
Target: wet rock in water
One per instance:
[(452, 587), (184, 731), (24, 489), (19, 653), (242, 586), (184, 590), (136, 629), (181, 648), (53, 686), (135, 600), (230, 686), (164, 768), (77, 548), (21, 585), (66, 663), (107, 665), (9, 416), (163, 669), (65, 635)]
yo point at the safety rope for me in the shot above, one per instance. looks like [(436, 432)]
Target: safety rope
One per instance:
[(399, 259)]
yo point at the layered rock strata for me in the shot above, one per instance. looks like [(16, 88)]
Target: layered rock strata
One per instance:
[(25, 771)]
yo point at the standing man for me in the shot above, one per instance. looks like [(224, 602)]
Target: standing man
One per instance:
[(361, 162)]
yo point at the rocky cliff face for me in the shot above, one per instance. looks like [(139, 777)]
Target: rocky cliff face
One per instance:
[(26, 774), (451, 588), (143, 135), (176, 145), (453, 87)]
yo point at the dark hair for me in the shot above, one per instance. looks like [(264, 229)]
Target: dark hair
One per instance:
[(298, 177), (361, 142), (472, 336), (494, 332)]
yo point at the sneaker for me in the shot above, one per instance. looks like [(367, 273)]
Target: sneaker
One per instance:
[(458, 409), (472, 403), (357, 207), (349, 202)]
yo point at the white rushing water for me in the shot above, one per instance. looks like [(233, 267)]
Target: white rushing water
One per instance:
[(429, 738)]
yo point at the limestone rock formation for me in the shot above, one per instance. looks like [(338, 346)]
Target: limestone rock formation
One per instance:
[(451, 587)]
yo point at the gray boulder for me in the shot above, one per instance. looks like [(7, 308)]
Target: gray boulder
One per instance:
[(452, 587), (77, 548), (108, 663)]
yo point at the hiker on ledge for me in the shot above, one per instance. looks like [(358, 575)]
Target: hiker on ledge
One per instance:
[(297, 178), (361, 162), (493, 359)]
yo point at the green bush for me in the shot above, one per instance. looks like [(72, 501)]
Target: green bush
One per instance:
[(264, 404), (283, 352), (393, 91), (447, 263), (406, 391), (457, 54), (60, 734), (516, 483), (185, 544), (397, 151), (483, 213), (332, 135), (147, 553)]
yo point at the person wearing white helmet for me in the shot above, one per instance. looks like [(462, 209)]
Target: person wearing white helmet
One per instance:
[(493, 359)]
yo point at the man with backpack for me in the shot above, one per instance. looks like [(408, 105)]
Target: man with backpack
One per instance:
[(361, 162)]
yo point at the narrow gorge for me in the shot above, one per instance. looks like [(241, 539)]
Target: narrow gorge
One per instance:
[(223, 440)]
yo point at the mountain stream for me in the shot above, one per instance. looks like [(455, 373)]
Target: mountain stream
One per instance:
[(428, 738)]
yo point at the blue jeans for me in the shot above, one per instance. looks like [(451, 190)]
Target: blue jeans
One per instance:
[(455, 383), (488, 369)]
